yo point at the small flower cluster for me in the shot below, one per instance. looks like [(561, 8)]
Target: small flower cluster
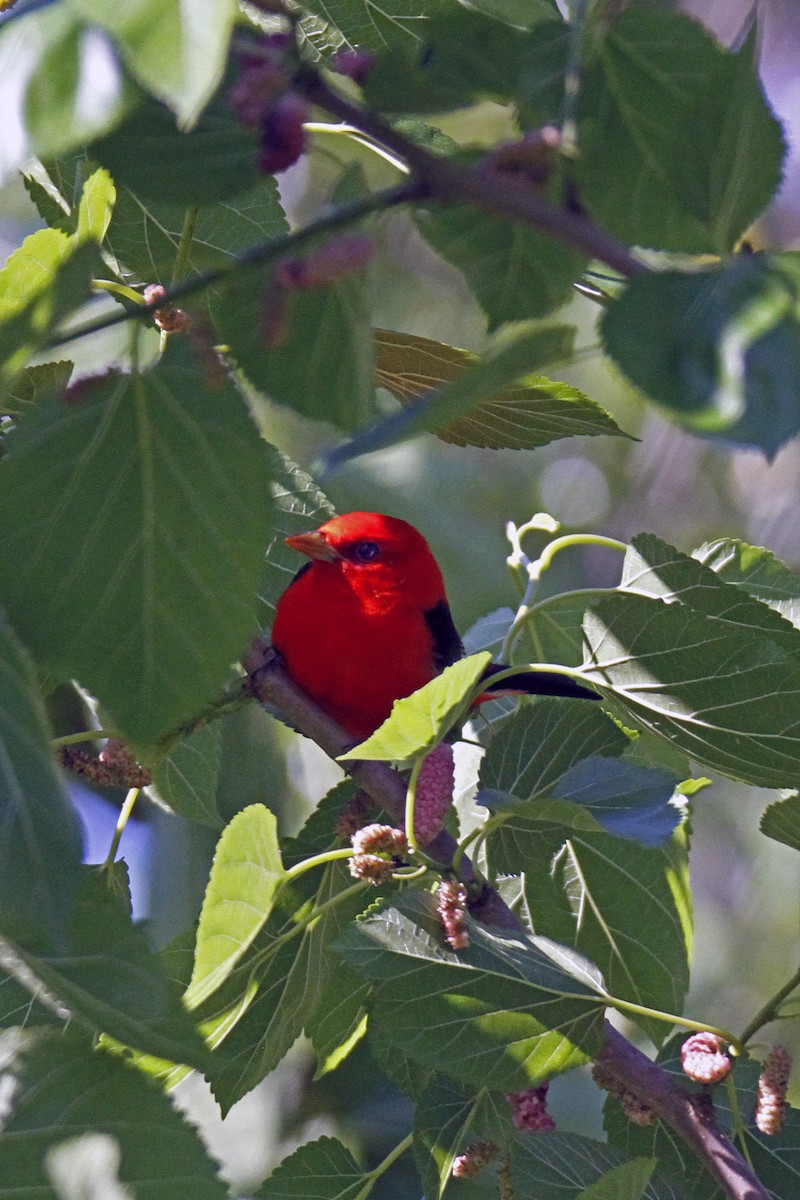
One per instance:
[(771, 1097), (474, 1159), (451, 905), (637, 1112), (529, 1110), (704, 1059), (376, 847), (115, 766), (434, 793), (169, 318)]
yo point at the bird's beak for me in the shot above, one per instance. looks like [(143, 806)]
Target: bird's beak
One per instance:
[(313, 545)]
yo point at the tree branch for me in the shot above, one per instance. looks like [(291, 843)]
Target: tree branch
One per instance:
[(690, 1116)]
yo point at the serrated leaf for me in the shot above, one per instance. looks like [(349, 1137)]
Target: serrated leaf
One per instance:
[(177, 52), (512, 355), (245, 875), (340, 1021), (41, 283), (65, 1088), (567, 1166), (625, 1182), (729, 699), (419, 721), (654, 568), (110, 979), (781, 821), (157, 564), (369, 28), (446, 1121), (534, 748), (320, 1170), (519, 418), (514, 271), (679, 148), (298, 506), (34, 383), (719, 348), (626, 799), (262, 1013), (756, 571), (506, 1015), (323, 363), (40, 841), (185, 782), (145, 234), (147, 153), (625, 906)]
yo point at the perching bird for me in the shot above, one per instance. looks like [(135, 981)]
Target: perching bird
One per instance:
[(366, 622)]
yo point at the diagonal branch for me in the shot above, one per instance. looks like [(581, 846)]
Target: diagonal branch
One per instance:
[(690, 1116)]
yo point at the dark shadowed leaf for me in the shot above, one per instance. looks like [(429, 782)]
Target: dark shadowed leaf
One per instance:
[(185, 782), (781, 821), (319, 1170)]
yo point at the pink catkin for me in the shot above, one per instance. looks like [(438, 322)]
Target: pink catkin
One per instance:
[(451, 905), (434, 793), (474, 1159), (772, 1084), (529, 1110), (703, 1058)]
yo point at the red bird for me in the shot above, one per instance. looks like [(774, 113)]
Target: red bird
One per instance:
[(366, 621)]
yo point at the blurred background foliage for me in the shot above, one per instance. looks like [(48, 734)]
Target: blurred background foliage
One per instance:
[(682, 488)]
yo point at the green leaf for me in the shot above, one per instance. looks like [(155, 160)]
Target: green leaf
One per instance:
[(418, 722), (508, 1017), (755, 571), (625, 1182), (654, 568), (448, 1118), (66, 1089), (33, 383), (177, 53), (514, 271), (110, 979), (185, 782), (719, 348), (781, 821), (44, 280), (518, 418), (679, 148), (245, 875), (626, 907), (369, 28), (320, 1170), (95, 207), (729, 699), (145, 234), (216, 160), (512, 355), (566, 1166), (40, 843), (259, 1014), (298, 506), (340, 1020), (323, 364), (624, 798), (65, 85), (150, 575), (533, 749)]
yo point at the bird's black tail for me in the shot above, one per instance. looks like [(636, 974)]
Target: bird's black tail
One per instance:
[(536, 683)]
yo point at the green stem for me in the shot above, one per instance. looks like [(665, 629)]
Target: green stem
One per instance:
[(185, 244), (641, 1010), (254, 256), (351, 131), (86, 735), (572, 80), (119, 289), (122, 821), (318, 860), (411, 796), (391, 1158), (769, 1011), (545, 559), (739, 1131)]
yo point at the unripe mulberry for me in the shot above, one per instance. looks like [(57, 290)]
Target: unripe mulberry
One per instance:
[(772, 1084), (703, 1058), (434, 793)]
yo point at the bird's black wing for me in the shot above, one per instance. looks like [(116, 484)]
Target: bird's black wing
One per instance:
[(539, 683), (447, 645)]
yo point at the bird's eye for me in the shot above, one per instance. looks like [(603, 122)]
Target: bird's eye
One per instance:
[(367, 551)]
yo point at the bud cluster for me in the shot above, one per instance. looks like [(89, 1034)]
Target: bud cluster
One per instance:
[(376, 851), (169, 318), (529, 1110), (637, 1112), (772, 1084), (451, 905), (704, 1059)]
